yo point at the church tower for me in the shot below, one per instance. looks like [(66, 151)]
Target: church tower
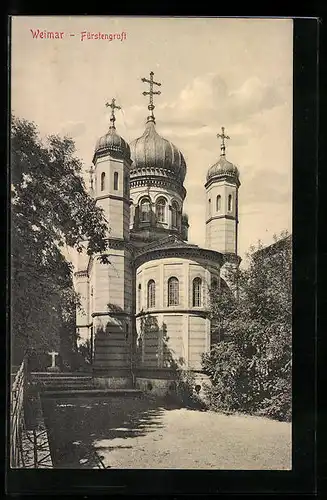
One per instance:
[(111, 170), (221, 186), (111, 294), (156, 180)]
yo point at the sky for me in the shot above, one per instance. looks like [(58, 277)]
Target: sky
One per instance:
[(214, 72)]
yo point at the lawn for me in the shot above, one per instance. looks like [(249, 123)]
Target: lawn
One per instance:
[(136, 433)]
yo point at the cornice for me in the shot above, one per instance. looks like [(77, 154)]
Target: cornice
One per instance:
[(222, 177), (225, 216), (157, 181), (111, 313), (174, 310), (113, 197), (146, 255), (114, 152)]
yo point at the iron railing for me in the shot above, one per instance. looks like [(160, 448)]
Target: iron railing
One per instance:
[(17, 416)]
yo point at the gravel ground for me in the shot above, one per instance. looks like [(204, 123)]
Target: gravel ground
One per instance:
[(138, 434), (188, 439)]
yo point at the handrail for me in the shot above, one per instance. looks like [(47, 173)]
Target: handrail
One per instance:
[(16, 416)]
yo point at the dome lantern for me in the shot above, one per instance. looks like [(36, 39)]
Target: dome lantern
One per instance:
[(152, 155), (111, 142), (223, 167)]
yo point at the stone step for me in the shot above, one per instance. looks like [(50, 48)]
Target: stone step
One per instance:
[(92, 393), (63, 379), (61, 374), (63, 383), (67, 388)]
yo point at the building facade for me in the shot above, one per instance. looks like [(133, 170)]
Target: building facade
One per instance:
[(146, 313)]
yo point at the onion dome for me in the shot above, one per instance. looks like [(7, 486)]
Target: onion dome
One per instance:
[(153, 154), (111, 142), (154, 157), (223, 168)]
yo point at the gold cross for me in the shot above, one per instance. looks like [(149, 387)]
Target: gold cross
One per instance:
[(223, 137), (151, 92), (113, 106)]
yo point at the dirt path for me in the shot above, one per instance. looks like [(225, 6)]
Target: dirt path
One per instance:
[(186, 439), (135, 433)]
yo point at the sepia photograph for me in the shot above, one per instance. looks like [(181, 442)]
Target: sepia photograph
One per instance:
[(151, 165)]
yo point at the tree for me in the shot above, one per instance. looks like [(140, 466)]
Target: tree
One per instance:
[(250, 367), (50, 209)]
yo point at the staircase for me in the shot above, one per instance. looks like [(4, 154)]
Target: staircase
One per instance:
[(67, 384)]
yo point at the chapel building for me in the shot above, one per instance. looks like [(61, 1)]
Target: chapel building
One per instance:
[(146, 313)]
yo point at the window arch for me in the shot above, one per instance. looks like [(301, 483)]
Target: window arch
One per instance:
[(173, 291), (145, 211), (161, 210), (197, 295), (103, 181), (115, 181), (126, 184), (139, 296), (230, 202), (151, 293), (218, 203), (174, 214), (209, 206)]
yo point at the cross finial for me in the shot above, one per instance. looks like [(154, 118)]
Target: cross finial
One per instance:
[(113, 106), (151, 93), (222, 136)]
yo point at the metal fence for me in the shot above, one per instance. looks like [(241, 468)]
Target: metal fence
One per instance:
[(17, 416)]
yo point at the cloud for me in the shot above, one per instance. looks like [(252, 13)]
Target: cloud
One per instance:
[(208, 100), (209, 96), (73, 129)]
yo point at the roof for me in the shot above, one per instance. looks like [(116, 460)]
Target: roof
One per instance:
[(177, 247)]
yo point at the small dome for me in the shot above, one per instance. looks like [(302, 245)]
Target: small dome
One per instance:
[(151, 151), (223, 168), (112, 142)]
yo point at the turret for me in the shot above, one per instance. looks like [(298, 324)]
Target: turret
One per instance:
[(112, 178), (221, 186)]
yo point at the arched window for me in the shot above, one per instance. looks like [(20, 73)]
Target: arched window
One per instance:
[(126, 184), (103, 181), (230, 204), (173, 292), (209, 206), (151, 293), (218, 203), (139, 296), (115, 181), (197, 286), (132, 215), (145, 210), (174, 214), (161, 210)]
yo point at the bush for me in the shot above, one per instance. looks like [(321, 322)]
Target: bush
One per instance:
[(250, 364), (186, 390)]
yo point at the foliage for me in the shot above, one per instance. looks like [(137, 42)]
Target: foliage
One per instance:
[(250, 366), (50, 210), (186, 390)]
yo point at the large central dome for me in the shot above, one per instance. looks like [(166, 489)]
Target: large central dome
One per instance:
[(153, 155)]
